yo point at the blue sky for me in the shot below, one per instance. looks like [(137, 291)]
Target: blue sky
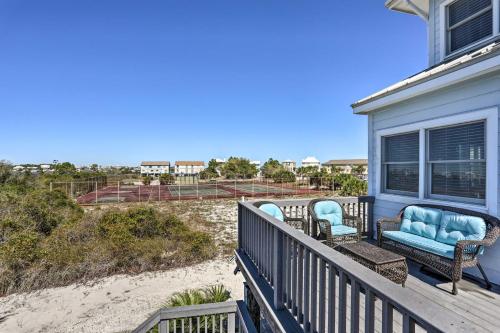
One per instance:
[(117, 82)]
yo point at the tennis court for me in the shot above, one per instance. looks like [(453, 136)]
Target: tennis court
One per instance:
[(146, 193)]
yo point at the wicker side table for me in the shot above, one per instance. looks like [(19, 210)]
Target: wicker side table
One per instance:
[(388, 264)]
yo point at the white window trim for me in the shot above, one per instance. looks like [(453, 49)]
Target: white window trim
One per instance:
[(442, 29), (489, 115)]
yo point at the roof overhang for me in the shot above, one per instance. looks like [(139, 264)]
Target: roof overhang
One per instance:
[(416, 7), (453, 76)]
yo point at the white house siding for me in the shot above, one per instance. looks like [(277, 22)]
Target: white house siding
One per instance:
[(464, 97)]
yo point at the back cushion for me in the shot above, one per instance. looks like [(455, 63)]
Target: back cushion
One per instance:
[(272, 210), (329, 210), (421, 221), (455, 227)]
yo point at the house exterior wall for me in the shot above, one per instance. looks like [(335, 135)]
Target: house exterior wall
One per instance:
[(458, 99)]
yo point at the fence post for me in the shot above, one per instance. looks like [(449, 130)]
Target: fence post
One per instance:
[(253, 187), (159, 192), (179, 188), (278, 269), (139, 193), (235, 187), (96, 199), (267, 188), (197, 191), (118, 195), (215, 189), (50, 186)]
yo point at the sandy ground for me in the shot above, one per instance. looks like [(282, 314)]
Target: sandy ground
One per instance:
[(114, 304)]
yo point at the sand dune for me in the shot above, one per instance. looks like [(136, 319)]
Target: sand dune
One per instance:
[(114, 304)]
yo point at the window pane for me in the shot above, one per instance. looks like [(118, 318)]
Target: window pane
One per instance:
[(466, 179), (462, 9), (471, 31), (465, 142), (401, 148), (402, 177)]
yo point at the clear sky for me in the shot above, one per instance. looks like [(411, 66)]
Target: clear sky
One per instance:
[(120, 81)]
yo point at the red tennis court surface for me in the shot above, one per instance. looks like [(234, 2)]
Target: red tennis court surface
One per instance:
[(145, 193)]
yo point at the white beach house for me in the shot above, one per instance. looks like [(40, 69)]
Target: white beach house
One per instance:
[(154, 168), (433, 137), (310, 161), (189, 167)]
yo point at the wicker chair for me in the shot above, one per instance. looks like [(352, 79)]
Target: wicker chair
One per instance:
[(296, 222), (465, 254), (325, 226)]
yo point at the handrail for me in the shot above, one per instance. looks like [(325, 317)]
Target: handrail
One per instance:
[(297, 266)]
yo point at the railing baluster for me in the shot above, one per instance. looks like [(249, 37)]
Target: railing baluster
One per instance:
[(300, 283), (342, 302), (163, 327), (314, 291), (277, 271), (354, 306), (332, 285), (230, 323), (322, 290), (287, 294), (408, 324), (294, 278), (387, 316), (369, 311), (307, 266)]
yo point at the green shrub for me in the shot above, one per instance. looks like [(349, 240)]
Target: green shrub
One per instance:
[(146, 180), (351, 185), (283, 176), (167, 179), (20, 250)]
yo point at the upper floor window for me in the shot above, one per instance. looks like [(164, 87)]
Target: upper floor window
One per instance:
[(467, 22)]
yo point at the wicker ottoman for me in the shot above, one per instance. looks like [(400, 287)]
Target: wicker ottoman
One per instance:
[(388, 264)]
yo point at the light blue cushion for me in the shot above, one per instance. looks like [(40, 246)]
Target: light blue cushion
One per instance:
[(273, 210), (421, 221), (329, 210), (455, 227), (340, 230), (422, 243)]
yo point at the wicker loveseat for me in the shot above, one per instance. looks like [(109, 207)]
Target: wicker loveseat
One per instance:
[(335, 226), (275, 211), (445, 239)]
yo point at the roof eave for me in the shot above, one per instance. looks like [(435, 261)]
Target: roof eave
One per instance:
[(415, 7), (431, 84)]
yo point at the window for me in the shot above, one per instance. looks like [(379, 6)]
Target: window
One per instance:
[(456, 162), (400, 163), (467, 22)]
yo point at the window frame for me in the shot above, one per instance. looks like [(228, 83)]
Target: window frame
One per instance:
[(445, 32), (429, 163), (488, 115), (384, 168)]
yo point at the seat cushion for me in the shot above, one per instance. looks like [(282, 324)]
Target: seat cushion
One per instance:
[(421, 221), (455, 227), (273, 210), (341, 230), (422, 243), (329, 210)]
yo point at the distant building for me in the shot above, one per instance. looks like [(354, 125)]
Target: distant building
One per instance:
[(189, 167), (311, 161), (154, 168), (346, 166), (18, 168), (289, 165)]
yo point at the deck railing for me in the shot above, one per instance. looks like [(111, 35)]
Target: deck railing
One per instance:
[(306, 286), (227, 317)]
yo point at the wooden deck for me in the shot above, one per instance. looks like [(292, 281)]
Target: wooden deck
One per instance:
[(474, 302)]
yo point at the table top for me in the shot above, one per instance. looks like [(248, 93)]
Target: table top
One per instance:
[(370, 252)]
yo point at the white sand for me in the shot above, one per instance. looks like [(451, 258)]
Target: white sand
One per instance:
[(114, 304)]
